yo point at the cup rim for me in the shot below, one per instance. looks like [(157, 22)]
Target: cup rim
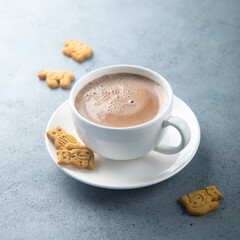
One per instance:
[(156, 118)]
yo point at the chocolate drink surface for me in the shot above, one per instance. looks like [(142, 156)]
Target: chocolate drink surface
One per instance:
[(121, 100)]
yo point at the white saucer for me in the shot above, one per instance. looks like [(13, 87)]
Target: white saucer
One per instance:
[(145, 171)]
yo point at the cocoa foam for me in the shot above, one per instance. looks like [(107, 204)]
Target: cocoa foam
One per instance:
[(121, 100)]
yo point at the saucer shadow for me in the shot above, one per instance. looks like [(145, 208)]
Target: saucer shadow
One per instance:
[(102, 196)]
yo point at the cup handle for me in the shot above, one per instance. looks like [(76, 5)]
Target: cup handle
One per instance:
[(184, 131)]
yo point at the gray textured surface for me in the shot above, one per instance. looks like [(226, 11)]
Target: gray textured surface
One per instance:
[(194, 44)]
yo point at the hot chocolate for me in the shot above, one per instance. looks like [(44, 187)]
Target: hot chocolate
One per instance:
[(121, 100)]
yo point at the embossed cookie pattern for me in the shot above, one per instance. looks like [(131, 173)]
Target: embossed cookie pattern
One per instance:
[(201, 202), (70, 151), (60, 137), (76, 155)]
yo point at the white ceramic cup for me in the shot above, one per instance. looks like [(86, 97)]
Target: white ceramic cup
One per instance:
[(124, 143)]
